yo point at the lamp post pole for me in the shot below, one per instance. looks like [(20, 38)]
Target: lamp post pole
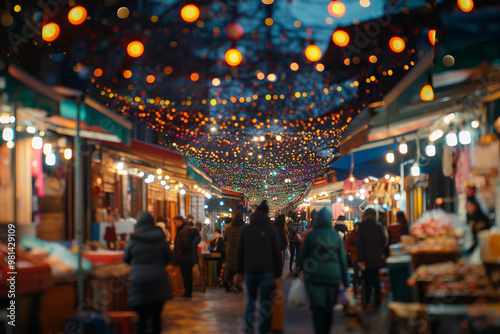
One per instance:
[(402, 200)]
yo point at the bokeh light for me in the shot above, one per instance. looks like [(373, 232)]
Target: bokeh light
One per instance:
[(135, 49), (427, 93), (313, 53), (50, 31), (432, 36), (465, 5), (190, 13), (77, 15), (336, 8), (397, 44), (233, 57), (340, 38)]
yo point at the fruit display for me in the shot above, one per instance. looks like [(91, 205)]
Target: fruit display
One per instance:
[(440, 244), (457, 288)]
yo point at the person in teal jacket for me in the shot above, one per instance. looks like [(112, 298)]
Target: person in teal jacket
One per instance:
[(324, 264)]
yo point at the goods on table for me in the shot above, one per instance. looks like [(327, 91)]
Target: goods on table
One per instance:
[(441, 244), (449, 270), (438, 223)]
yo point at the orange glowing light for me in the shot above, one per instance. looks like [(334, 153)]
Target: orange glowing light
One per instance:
[(336, 8), (234, 31), (294, 66), (127, 74), (195, 76), (190, 13), (233, 57), (50, 32), (397, 44), (135, 49), (432, 36), (427, 93), (313, 53), (320, 67), (340, 38), (97, 72), (372, 59), (465, 5), (150, 79), (77, 15)]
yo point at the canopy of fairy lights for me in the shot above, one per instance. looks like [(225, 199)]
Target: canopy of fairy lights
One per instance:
[(256, 93)]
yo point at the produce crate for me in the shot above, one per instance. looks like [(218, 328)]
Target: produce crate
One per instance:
[(418, 259)]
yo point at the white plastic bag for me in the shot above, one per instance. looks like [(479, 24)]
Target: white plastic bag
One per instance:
[(297, 295)]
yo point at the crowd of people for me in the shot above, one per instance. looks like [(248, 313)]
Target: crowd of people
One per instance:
[(254, 255)]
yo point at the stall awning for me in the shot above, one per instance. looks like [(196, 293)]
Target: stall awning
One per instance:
[(198, 175), (34, 93)]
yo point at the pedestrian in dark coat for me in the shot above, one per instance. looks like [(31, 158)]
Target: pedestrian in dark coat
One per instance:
[(280, 224), (259, 258), (295, 231), (232, 235), (351, 246), (325, 265), (186, 256), (373, 239), (148, 253)]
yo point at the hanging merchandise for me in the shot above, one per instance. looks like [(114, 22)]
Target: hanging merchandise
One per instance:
[(447, 161)]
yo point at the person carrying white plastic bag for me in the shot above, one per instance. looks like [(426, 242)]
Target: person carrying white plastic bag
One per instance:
[(297, 295)]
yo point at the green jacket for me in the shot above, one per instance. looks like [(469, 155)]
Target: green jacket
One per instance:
[(323, 258)]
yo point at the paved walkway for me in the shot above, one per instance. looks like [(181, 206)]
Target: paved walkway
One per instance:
[(218, 312)]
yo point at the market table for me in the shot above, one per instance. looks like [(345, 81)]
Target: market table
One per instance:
[(208, 264)]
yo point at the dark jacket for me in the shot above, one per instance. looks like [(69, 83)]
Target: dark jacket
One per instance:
[(259, 248), (220, 248), (280, 226), (341, 227), (232, 235), (351, 245), (187, 239), (373, 239), (295, 228), (396, 230), (322, 257), (148, 253)]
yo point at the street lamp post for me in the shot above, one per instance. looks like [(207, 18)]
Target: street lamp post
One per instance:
[(402, 201)]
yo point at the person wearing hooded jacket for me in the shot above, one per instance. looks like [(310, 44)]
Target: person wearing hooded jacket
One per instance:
[(232, 235), (186, 256), (324, 263), (259, 258), (373, 238), (148, 253)]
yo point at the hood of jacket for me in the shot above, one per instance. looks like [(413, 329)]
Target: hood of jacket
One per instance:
[(260, 218), (149, 234)]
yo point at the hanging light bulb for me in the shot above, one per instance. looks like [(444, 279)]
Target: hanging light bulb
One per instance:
[(351, 178), (403, 147), (451, 139), (50, 159), (37, 143), (436, 135), (415, 169), (339, 199), (8, 134), (47, 148), (120, 165), (68, 153), (10, 144), (182, 191), (430, 150), (474, 124), (390, 155), (350, 198), (464, 137)]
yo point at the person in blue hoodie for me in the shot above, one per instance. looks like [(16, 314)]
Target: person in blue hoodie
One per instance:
[(259, 258), (324, 263), (148, 253)]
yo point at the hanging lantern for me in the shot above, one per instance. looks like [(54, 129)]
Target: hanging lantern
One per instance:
[(397, 44), (50, 32), (77, 15), (340, 38), (190, 13), (432, 36), (233, 57), (465, 5), (313, 53), (336, 8), (135, 49), (427, 93)]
